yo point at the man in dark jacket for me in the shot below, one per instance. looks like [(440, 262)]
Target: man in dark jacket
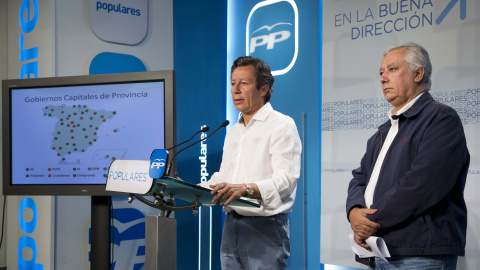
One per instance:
[(409, 187)]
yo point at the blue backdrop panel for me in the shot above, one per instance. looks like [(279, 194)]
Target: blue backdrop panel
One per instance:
[(199, 62), (295, 93)]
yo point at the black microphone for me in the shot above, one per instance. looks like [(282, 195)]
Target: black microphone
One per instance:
[(169, 166), (395, 117), (204, 129)]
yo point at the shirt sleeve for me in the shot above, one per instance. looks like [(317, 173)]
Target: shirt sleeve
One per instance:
[(437, 165), (285, 150), (217, 177)]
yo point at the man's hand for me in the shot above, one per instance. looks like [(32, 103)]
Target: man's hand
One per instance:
[(361, 241), (227, 192), (362, 227)]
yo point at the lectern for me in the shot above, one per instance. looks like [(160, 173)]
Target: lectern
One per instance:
[(160, 230)]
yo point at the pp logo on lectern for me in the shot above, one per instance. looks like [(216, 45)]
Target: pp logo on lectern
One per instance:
[(158, 160), (272, 34), (157, 163)]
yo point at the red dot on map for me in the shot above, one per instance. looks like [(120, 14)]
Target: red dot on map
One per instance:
[(49, 169), (58, 154), (71, 130), (81, 118), (53, 148), (74, 175), (67, 143), (94, 140), (60, 147), (104, 120), (49, 175), (84, 106), (101, 116), (72, 137), (72, 122), (95, 133), (61, 119), (91, 118), (96, 128)]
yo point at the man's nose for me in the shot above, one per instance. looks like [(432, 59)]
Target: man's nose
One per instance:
[(383, 79), (235, 88)]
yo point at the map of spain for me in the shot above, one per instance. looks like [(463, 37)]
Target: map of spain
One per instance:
[(76, 128)]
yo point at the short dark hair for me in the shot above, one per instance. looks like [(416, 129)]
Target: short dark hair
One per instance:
[(263, 75)]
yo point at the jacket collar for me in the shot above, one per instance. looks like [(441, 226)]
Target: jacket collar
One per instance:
[(419, 105), (414, 110)]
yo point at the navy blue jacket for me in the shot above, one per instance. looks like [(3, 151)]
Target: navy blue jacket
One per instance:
[(419, 193)]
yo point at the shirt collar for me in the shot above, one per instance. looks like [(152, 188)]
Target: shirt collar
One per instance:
[(260, 115)]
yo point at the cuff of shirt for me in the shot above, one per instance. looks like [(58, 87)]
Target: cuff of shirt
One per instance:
[(270, 196), (205, 184)]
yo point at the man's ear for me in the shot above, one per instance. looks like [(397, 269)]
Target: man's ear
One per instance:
[(264, 90), (419, 74)]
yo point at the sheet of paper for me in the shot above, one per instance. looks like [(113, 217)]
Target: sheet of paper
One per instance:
[(377, 246)]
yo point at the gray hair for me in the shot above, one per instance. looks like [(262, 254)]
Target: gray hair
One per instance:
[(416, 58)]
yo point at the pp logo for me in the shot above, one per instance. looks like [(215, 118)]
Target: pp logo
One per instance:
[(158, 160), (272, 34), (158, 163)]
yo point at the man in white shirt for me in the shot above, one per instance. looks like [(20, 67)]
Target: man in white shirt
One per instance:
[(261, 161)]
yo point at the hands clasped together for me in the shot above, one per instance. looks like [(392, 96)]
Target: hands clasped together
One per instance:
[(362, 226)]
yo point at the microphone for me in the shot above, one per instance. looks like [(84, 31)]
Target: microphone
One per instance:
[(160, 157), (395, 117), (169, 166), (204, 129)]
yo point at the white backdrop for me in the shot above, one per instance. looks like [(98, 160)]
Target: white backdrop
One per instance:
[(355, 34), (76, 46), (66, 46)]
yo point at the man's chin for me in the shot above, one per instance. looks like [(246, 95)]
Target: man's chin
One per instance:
[(389, 98)]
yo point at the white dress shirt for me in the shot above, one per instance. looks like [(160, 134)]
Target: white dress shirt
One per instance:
[(392, 132), (265, 152)]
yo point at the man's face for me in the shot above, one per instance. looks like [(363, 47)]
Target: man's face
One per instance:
[(398, 83), (245, 95)]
